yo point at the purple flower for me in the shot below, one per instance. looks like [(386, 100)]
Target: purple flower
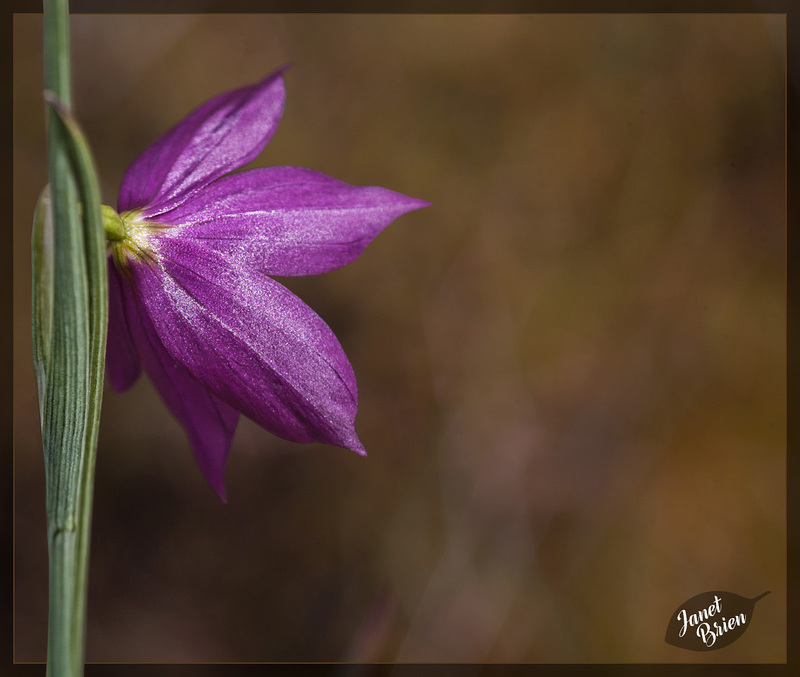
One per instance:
[(190, 248)]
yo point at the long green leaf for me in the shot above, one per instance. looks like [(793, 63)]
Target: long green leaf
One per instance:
[(94, 241), (69, 345)]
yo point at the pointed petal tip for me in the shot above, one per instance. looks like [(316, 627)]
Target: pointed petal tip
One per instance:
[(219, 489), (223, 134), (280, 71), (357, 447), (275, 75), (215, 476), (420, 204), (410, 204)]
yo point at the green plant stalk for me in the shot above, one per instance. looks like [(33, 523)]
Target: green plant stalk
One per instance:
[(69, 329)]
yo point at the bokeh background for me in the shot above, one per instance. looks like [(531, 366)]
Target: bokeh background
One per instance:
[(571, 367)]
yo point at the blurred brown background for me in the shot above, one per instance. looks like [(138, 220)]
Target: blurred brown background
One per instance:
[(571, 366)]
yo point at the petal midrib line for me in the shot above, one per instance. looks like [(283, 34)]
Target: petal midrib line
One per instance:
[(250, 348), (277, 210)]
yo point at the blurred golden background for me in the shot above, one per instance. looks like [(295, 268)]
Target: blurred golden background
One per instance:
[(571, 367)]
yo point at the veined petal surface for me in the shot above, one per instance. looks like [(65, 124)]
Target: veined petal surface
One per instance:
[(223, 134), (250, 342), (288, 220), (209, 422)]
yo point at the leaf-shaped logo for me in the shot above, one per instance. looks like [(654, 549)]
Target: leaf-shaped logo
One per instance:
[(710, 620)]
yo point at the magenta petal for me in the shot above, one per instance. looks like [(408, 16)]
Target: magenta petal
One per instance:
[(209, 422), (122, 360), (191, 303), (223, 134), (252, 343), (288, 220)]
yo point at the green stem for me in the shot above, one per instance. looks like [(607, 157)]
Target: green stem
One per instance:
[(70, 306)]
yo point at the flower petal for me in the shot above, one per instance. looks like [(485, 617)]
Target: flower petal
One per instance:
[(209, 422), (122, 360), (223, 134), (252, 343), (288, 220)]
